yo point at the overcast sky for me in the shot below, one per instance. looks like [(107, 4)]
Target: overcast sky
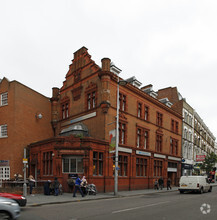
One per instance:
[(161, 42)]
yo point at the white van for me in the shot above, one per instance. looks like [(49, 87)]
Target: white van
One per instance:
[(194, 183)]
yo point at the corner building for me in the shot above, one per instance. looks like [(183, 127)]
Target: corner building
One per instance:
[(84, 121)]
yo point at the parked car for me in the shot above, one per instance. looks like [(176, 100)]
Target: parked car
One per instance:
[(9, 209), (21, 200), (194, 184)]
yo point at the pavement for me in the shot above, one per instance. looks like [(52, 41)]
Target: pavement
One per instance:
[(41, 199)]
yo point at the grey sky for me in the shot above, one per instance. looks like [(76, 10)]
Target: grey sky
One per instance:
[(162, 42)]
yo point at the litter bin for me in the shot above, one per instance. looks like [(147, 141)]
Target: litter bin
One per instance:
[(47, 187)]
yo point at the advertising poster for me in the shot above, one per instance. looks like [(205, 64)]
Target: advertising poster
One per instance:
[(112, 141)]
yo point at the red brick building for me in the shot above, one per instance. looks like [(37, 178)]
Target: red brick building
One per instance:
[(83, 119), (25, 117)]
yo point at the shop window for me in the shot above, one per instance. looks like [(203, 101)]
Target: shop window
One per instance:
[(3, 131), (159, 142), (122, 133), (159, 119), (4, 173), (158, 167), (72, 164), (97, 163), (123, 164), (47, 163), (4, 99), (141, 167), (172, 165)]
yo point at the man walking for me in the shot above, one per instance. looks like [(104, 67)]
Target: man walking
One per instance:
[(169, 184), (78, 187), (161, 182)]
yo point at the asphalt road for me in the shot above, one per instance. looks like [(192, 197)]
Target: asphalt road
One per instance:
[(165, 206)]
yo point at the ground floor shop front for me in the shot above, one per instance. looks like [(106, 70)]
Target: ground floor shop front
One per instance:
[(67, 157)]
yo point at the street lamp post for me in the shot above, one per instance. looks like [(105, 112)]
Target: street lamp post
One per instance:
[(122, 82)]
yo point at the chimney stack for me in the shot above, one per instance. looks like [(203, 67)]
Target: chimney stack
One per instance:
[(55, 92), (106, 64)]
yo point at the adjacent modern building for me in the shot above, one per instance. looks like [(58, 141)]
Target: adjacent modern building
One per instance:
[(25, 117)]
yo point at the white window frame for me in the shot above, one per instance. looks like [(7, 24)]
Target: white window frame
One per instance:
[(4, 99), (77, 160), (4, 172), (3, 131)]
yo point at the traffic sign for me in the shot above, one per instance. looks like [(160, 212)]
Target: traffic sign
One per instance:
[(25, 160)]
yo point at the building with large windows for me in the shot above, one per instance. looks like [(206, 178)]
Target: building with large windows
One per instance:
[(84, 114), (24, 118), (197, 139)]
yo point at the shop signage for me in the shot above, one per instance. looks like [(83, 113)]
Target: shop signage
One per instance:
[(171, 169), (143, 153), (126, 150), (200, 157), (4, 163), (159, 156), (174, 158)]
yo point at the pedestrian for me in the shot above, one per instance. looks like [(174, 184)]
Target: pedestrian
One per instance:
[(160, 181), (84, 185), (60, 189), (169, 184), (78, 187), (31, 184), (56, 186), (156, 184)]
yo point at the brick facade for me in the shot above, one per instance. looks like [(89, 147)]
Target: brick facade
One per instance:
[(23, 128), (89, 96)]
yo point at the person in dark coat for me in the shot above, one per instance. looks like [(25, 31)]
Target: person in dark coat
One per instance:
[(161, 182), (156, 184), (78, 187), (56, 186), (169, 184)]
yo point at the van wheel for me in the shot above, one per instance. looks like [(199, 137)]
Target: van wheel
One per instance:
[(201, 190), (210, 189), (181, 192)]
